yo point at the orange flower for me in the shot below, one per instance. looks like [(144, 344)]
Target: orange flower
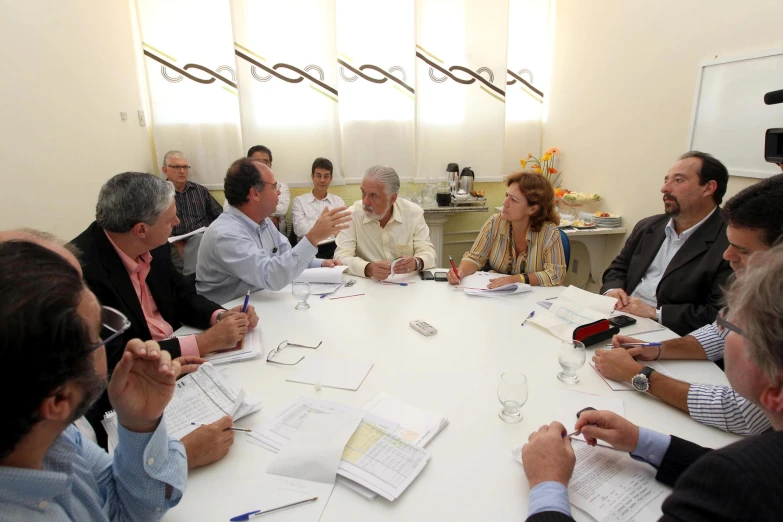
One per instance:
[(523, 163), (529, 155), (536, 167), (552, 170), (553, 151)]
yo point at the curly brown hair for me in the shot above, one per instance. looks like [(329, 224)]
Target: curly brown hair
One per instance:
[(537, 191)]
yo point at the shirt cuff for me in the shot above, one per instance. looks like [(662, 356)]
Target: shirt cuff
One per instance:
[(711, 341), (188, 346), (652, 446), (611, 290), (549, 496), (305, 248), (213, 319), (315, 263)]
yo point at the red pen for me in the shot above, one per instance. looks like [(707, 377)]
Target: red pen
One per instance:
[(454, 267)]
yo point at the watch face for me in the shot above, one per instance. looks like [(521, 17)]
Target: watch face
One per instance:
[(640, 383)]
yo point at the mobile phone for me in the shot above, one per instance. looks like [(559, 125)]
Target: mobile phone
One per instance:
[(441, 276), (621, 321), (426, 275)]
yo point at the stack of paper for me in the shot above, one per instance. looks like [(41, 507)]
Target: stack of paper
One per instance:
[(573, 308), (251, 347), (323, 280), (477, 284), (416, 425), (373, 457), (202, 397)]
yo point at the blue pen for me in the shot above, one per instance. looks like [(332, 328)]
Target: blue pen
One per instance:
[(634, 345), (247, 300), (529, 317), (258, 513)]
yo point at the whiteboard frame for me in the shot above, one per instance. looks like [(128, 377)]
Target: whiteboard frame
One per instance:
[(700, 75)]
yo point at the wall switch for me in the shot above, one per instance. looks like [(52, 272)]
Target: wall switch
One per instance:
[(123, 116), (142, 120)]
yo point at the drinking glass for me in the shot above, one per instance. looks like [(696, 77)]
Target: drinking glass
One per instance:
[(301, 291), (571, 357), (512, 393)]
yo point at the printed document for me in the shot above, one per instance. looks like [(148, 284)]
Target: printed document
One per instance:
[(573, 308), (477, 284)]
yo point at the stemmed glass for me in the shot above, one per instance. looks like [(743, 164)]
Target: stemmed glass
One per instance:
[(301, 290), (512, 393), (571, 357)]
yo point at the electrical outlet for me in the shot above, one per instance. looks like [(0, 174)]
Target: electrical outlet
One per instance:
[(142, 120), (123, 116)]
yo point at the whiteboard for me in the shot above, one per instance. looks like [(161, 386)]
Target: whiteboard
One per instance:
[(729, 115)]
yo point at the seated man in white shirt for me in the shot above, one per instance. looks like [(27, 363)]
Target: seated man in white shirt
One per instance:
[(384, 228), (242, 250), (308, 207)]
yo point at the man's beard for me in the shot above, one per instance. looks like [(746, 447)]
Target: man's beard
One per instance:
[(671, 207), (368, 210), (93, 386)]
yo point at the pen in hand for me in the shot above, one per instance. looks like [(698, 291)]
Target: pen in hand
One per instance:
[(232, 428), (634, 345), (454, 267), (247, 300)]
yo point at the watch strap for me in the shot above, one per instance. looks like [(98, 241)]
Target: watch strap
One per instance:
[(647, 371)]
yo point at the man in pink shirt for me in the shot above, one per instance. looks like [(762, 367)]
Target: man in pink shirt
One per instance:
[(126, 262)]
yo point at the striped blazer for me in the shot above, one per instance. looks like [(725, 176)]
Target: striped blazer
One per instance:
[(495, 246)]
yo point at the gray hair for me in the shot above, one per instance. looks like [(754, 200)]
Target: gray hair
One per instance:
[(130, 198), (172, 154), (386, 175), (755, 300)]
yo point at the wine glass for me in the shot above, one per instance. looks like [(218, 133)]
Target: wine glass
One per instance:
[(512, 393), (571, 356), (301, 290)]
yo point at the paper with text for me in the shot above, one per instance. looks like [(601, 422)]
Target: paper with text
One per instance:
[(573, 308), (478, 284)]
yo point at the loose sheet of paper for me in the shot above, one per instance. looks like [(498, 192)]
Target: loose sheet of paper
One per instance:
[(174, 239), (410, 277), (332, 372), (323, 274), (642, 325), (621, 386), (477, 284), (573, 308), (570, 402)]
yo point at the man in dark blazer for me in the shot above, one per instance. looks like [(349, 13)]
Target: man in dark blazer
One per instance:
[(127, 264), (671, 268), (741, 481)]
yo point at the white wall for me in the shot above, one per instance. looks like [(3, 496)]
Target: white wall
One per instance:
[(69, 68), (623, 80)]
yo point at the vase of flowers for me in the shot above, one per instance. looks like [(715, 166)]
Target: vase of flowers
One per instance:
[(545, 165)]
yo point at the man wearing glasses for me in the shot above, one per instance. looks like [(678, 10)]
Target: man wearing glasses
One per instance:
[(755, 224), (308, 207), (50, 333), (243, 250), (264, 155), (196, 208), (741, 481)]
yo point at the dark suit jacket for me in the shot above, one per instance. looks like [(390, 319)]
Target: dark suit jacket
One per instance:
[(742, 481), (690, 290), (174, 294)]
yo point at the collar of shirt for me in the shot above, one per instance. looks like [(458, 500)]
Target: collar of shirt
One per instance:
[(242, 218), (312, 199), (140, 264), (687, 233), (37, 488), (396, 216), (188, 186)]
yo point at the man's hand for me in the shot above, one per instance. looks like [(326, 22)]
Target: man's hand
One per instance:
[(608, 427), (405, 265), (642, 353), (189, 364), (617, 364), (621, 296), (329, 223), (453, 280), (503, 281), (226, 334), (638, 307), (252, 317), (548, 456), (331, 263), (208, 444), (379, 270), (142, 384)]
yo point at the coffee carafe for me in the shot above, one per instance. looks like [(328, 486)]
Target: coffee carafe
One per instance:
[(452, 176), (466, 180)]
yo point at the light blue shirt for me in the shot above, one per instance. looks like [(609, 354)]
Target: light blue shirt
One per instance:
[(553, 496), (237, 255), (648, 286), (80, 481)]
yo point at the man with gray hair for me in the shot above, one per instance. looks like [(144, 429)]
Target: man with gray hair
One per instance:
[(196, 208), (126, 262), (384, 228)]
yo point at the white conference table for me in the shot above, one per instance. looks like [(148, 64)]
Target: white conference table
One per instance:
[(471, 474)]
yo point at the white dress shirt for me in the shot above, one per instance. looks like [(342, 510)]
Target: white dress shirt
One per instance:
[(647, 287), (237, 255), (365, 241), (306, 210)]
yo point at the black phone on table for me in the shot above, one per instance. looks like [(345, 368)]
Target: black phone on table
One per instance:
[(621, 321), (441, 276), (426, 275)]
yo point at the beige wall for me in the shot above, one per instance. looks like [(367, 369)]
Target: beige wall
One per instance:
[(69, 68), (623, 80)]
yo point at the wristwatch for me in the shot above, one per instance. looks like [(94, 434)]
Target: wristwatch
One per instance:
[(419, 264), (220, 315), (641, 381)]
